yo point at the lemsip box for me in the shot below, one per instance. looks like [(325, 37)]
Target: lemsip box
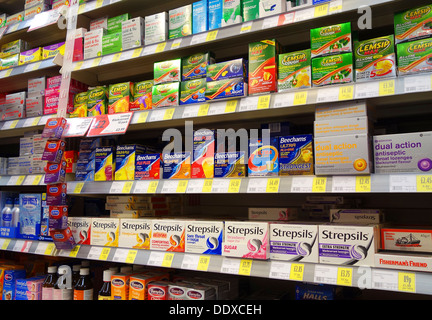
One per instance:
[(294, 242), (135, 233), (345, 154), (168, 235), (204, 237), (105, 232), (348, 244), (407, 152), (246, 239)]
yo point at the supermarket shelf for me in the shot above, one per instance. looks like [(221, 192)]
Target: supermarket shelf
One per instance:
[(31, 180), (397, 183), (353, 276)]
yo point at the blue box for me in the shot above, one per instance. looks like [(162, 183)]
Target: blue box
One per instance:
[(230, 165), (147, 166), (214, 14), (263, 159), (315, 292), (9, 287), (199, 16), (30, 214), (177, 165), (296, 155)]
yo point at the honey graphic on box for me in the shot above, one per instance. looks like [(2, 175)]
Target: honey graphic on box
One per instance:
[(177, 165), (120, 97)]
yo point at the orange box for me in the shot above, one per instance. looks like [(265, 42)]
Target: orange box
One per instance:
[(120, 286)]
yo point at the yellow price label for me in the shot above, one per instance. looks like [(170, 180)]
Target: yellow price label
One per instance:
[(81, 8), (319, 184), (321, 11), (387, 87), (176, 44), (169, 113), (13, 124), (263, 102), (96, 62), (78, 188), (20, 180), (212, 35), (50, 248), (245, 267), (37, 180), (203, 263), (137, 52), (6, 244), (335, 9), (207, 187), (8, 73), (346, 93), (182, 186), (203, 110), (246, 28), (130, 258), (142, 118), (273, 185), (363, 184), (99, 3), (300, 98), (297, 272), (153, 187), (407, 282), (424, 183), (116, 57), (74, 251), (36, 121), (78, 65), (160, 47), (234, 186), (231, 106), (344, 277), (104, 254), (127, 187), (167, 260)]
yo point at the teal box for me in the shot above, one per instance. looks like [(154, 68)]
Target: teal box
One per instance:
[(214, 14), (199, 16)]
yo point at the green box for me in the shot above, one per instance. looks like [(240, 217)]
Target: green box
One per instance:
[(335, 69), (142, 99), (167, 71), (294, 70), (97, 101), (111, 43), (180, 22), (195, 66), (413, 24), (166, 95), (375, 58), (415, 56), (232, 12), (331, 40), (114, 24), (10, 61), (250, 10), (193, 91)]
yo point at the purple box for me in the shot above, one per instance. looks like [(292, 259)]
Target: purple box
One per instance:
[(58, 217), (54, 151), (54, 128), (63, 239), (56, 195), (55, 172)]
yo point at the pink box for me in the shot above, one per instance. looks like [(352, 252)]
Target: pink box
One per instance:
[(54, 128), (54, 151), (78, 54), (52, 101), (63, 239), (54, 82)]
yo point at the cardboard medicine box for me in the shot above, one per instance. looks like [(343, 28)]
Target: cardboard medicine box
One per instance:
[(413, 24), (166, 94), (156, 28), (294, 70), (195, 66), (142, 96), (331, 39), (296, 155), (120, 96), (133, 33), (180, 22), (193, 91), (167, 71), (112, 43), (414, 57), (335, 69)]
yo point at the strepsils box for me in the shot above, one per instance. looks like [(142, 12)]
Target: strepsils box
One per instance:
[(294, 242), (405, 152), (273, 214), (406, 239), (410, 261), (342, 155), (81, 229), (246, 239), (356, 216), (325, 199), (348, 244), (135, 233), (168, 235), (204, 237), (105, 232), (334, 127), (341, 110)]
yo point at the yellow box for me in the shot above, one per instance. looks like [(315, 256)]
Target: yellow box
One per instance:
[(52, 50), (105, 232), (30, 56)]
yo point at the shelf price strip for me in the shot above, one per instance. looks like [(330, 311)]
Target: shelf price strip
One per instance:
[(195, 262), (237, 266), (287, 271), (160, 259), (333, 275), (394, 280)]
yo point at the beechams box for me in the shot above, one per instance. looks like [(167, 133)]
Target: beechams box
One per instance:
[(125, 158), (246, 239), (204, 237), (148, 166), (180, 22), (353, 245), (104, 164), (334, 69), (294, 242), (263, 70), (203, 154), (263, 157), (296, 155), (168, 235), (135, 233), (294, 70), (405, 152), (375, 59), (331, 39), (345, 154), (177, 165), (414, 57), (416, 239), (413, 24), (105, 232), (229, 165)]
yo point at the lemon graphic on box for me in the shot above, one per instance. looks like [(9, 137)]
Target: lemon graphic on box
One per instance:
[(126, 171)]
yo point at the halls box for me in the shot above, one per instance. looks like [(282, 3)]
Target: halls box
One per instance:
[(404, 152)]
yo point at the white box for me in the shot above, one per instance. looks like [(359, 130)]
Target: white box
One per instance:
[(101, 23), (271, 7), (335, 127), (36, 87), (93, 43), (204, 237), (156, 28), (105, 232), (348, 244), (356, 216), (39, 144), (81, 229), (412, 261), (273, 214), (294, 242), (37, 165), (133, 33), (26, 146), (135, 233), (246, 239), (168, 235), (341, 110), (34, 106)]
